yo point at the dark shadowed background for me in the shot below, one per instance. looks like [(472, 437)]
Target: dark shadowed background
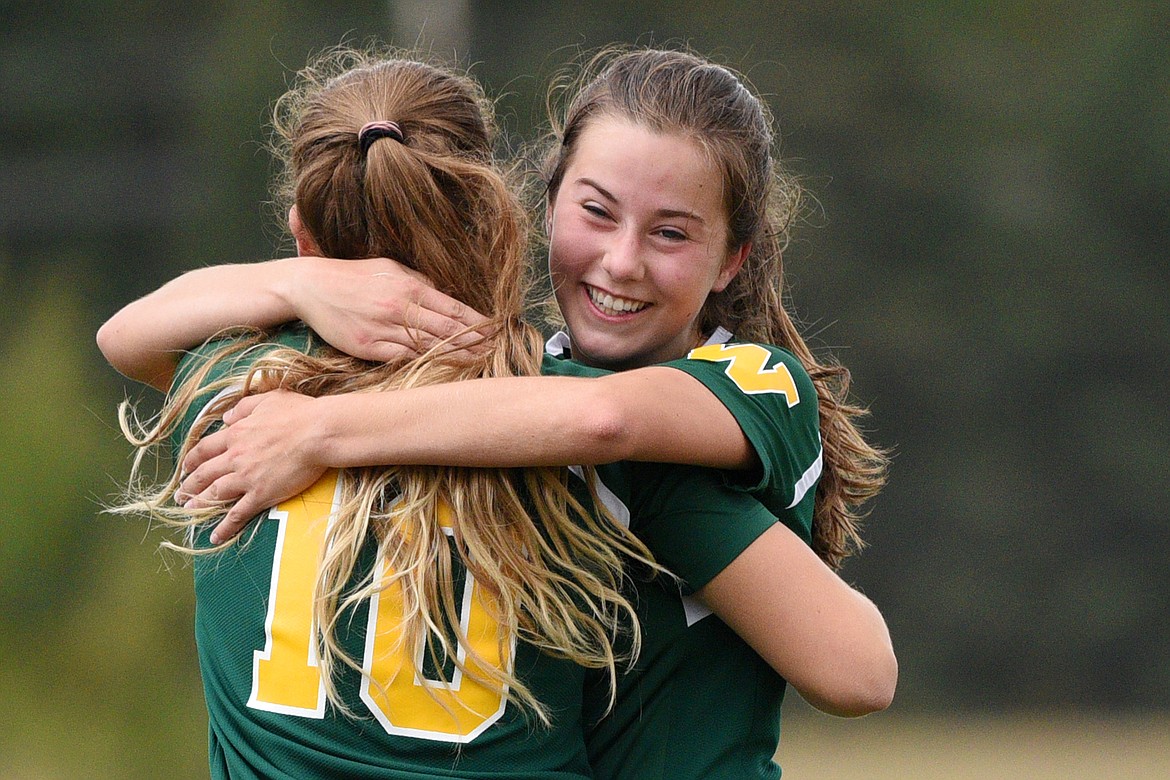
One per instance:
[(988, 257)]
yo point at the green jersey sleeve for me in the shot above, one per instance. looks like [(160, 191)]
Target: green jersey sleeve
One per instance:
[(551, 365), (774, 402), (693, 522)]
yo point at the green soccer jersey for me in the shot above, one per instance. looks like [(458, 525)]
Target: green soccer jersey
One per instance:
[(268, 715), (700, 703), (773, 399)]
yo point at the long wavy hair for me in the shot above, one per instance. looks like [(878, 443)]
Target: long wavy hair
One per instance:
[(432, 197), (680, 93)]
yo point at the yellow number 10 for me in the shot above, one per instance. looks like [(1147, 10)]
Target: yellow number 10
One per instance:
[(285, 674)]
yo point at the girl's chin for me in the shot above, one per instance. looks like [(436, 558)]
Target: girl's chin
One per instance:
[(595, 352), (605, 353)]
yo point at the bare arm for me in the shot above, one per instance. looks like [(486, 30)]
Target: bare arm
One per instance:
[(829, 641), (642, 414), (826, 639), (145, 339), (277, 444), (375, 309)]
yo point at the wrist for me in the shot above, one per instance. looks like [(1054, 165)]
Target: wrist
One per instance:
[(285, 279), (327, 432)]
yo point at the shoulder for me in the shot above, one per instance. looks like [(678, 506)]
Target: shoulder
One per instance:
[(772, 398), (752, 369), (218, 366)]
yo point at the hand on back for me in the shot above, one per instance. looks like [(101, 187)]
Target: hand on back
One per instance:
[(378, 309), (264, 454)]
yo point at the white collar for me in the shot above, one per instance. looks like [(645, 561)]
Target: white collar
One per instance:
[(559, 344), (721, 335)]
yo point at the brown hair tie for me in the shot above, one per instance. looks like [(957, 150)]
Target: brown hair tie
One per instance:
[(372, 131)]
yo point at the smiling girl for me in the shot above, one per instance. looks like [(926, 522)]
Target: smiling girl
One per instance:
[(666, 218), (640, 241)]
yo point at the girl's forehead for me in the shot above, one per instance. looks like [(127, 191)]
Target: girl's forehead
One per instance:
[(640, 149), (637, 163), (619, 127)]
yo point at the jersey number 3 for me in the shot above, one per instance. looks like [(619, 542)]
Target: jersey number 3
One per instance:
[(285, 674)]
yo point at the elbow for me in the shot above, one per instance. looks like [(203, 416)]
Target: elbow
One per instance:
[(888, 683), (869, 671), (875, 693), (131, 359), (861, 689), (603, 429), (112, 342), (108, 343)]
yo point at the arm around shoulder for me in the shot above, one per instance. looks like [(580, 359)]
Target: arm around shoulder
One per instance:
[(145, 339), (648, 414)]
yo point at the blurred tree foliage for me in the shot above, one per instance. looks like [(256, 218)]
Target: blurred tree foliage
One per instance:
[(987, 255)]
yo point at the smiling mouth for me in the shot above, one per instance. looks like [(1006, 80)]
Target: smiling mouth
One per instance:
[(611, 305)]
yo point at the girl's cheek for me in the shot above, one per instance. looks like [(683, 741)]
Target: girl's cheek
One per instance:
[(685, 278), (569, 249)]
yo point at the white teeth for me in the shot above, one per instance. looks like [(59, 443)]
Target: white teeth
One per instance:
[(612, 305)]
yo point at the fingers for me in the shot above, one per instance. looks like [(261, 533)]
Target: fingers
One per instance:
[(212, 484), (205, 471), (223, 490), (228, 469), (377, 309), (460, 315), (235, 520), (209, 447), (423, 330), (435, 318), (243, 408), (198, 475), (387, 351)]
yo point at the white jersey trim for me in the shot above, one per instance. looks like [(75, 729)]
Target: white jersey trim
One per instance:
[(809, 477), (721, 335), (203, 410), (557, 344), (694, 610), (609, 499)]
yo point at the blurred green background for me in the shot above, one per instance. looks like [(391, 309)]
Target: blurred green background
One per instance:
[(988, 257)]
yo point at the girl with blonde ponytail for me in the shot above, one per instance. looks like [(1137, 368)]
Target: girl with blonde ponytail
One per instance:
[(484, 594)]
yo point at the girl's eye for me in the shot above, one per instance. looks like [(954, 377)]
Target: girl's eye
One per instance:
[(594, 209), (671, 234)]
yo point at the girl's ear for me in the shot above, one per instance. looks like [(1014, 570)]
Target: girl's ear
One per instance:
[(731, 266), (306, 246)]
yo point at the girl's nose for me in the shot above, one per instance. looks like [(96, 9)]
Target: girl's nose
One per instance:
[(622, 259)]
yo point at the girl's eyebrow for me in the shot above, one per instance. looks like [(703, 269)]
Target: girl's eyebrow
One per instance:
[(591, 183), (669, 213)]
